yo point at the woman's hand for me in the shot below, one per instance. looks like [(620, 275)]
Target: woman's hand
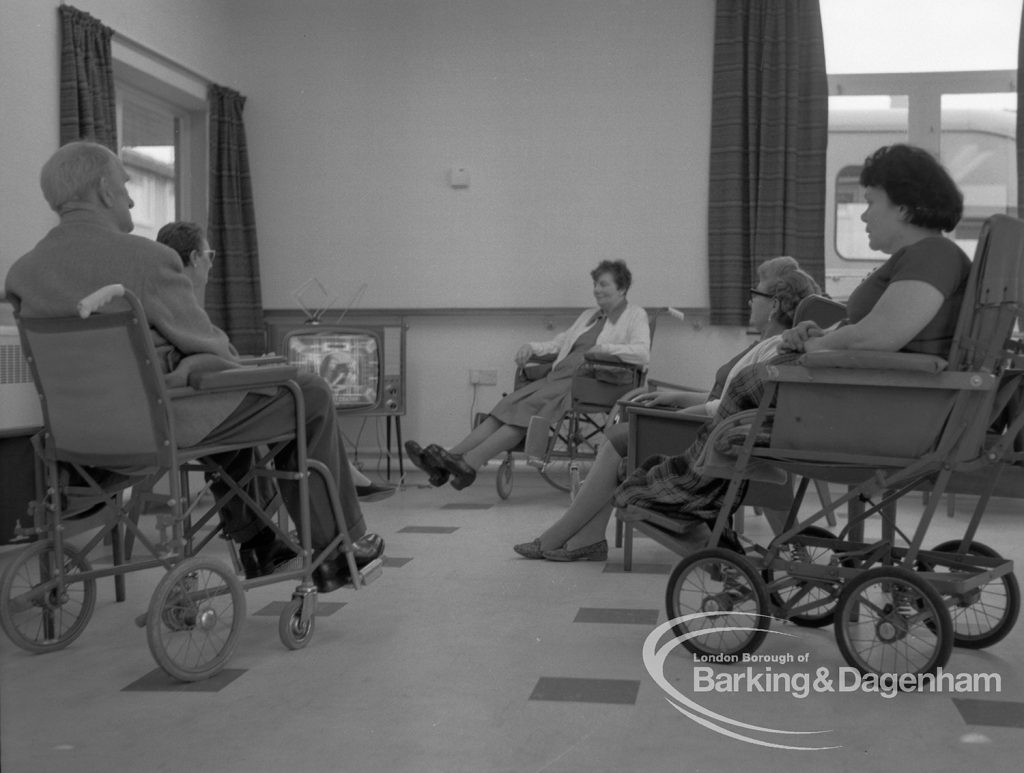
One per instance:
[(670, 398), (795, 339), (524, 354)]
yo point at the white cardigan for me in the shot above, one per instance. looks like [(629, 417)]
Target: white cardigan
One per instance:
[(628, 337)]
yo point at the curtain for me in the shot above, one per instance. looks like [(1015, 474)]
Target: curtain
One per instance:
[(233, 297), (769, 134), (87, 108)]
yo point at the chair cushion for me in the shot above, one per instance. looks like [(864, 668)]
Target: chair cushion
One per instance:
[(860, 358)]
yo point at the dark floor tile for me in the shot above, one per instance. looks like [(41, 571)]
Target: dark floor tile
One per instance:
[(556, 688), (639, 568), (628, 616), (395, 561), (323, 608), (159, 680), (467, 506), (976, 711), (428, 529)]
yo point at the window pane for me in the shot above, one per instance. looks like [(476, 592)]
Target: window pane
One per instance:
[(920, 35), (858, 125), (148, 150), (979, 150)]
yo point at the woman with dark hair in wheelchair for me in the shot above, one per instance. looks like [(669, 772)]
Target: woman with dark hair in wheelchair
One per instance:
[(910, 304), (580, 533), (616, 328)]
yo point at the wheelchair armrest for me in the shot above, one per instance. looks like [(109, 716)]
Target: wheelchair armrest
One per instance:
[(605, 357), (243, 378), (263, 360), (655, 384), (665, 414), (864, 359)]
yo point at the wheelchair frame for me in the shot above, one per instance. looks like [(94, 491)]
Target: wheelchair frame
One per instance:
[(896, 608), (561, 450), (194, 618)]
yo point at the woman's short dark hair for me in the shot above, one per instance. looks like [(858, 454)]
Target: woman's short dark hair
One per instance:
[(182, 237), (621, 275), (912, 177)]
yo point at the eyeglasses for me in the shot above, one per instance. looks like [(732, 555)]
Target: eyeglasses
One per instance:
[(754, 291), (210, 254)]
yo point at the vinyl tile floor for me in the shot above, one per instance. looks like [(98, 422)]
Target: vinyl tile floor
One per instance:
[(464, 656)]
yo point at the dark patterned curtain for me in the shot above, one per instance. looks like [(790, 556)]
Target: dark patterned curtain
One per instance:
[(769, 134), (87, 108), (233, 297)]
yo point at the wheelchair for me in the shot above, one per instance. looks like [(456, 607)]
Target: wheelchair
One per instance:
[(108, 430), (896, 607), (563, 451)]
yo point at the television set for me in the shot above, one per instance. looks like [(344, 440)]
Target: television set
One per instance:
[(364, 363)]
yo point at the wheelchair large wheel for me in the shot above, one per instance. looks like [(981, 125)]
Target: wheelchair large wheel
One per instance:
[(985, 615), (816, 599), (503, 480), (719, 581), (195, 618), (891, 621), (38, 614)]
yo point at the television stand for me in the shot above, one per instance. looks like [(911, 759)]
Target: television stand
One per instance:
[(398, 448)]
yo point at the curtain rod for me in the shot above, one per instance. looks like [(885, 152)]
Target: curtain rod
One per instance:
[(151, 52)]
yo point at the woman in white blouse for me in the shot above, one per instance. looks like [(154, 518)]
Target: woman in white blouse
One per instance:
[(616, 327)]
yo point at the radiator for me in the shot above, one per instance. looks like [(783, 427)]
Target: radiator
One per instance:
[(19, 404)]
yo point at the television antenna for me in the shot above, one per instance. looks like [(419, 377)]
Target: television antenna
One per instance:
[(301, 295), (315, 300)]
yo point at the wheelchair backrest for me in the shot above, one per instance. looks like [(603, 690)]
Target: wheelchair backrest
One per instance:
[(817, 308), (102, 394), (992, 300)]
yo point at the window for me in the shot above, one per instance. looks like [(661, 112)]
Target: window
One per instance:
[(150, 133), (934, 89), (161, 117)]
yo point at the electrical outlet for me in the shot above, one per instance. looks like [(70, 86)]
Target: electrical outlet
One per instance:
[(483, 377)]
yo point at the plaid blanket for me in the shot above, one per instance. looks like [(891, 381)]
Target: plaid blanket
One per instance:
[(669, 484)]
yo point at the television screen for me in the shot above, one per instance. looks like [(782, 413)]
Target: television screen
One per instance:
[(349, 362)]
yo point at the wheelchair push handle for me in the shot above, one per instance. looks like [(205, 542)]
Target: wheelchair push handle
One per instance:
[(94, 301)]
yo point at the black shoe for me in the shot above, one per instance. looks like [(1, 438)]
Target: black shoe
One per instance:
[(418, 456), (260, 560), (333, 573), (462, 474), (374, 492)]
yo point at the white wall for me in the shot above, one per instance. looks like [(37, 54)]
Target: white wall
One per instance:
[(584, 124)]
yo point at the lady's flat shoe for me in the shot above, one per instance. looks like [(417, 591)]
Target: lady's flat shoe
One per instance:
[(418, 456), (529, 549), (462, 474), (596, 552)]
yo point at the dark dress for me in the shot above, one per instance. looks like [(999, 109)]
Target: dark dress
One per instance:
[(549, 396)]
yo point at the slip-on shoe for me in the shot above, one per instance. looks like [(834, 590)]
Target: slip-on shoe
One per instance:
[(529, 549), (374, 492), (596, 552), (418, 456), (333, 573)]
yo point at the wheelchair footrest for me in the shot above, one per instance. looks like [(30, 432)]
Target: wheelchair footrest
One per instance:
[(371, 572)]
